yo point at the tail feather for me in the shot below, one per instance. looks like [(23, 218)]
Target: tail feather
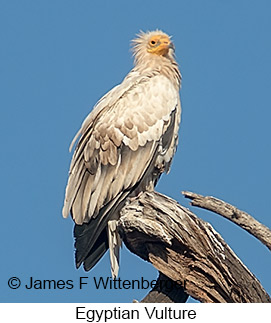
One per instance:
[(91, 239), (99, 249), (88, 237)]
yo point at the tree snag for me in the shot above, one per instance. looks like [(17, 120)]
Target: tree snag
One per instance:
[(187, 251), (230, 212)]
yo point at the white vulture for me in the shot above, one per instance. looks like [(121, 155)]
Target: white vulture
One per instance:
[(126, 142)]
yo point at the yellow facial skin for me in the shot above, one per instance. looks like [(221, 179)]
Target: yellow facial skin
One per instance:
[(159, 45)]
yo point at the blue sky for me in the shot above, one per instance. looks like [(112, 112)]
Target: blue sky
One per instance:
[(59, 57)]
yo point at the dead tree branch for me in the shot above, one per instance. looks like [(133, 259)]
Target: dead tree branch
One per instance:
[(230, 212), (187, 250), (166, 291)]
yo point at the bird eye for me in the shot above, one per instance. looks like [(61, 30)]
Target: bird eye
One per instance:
[(153, 42)]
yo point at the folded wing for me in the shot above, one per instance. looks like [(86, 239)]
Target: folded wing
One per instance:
[(126, 142)]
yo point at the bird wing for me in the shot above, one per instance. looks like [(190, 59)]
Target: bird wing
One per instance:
[(131, 132), (118, 142)]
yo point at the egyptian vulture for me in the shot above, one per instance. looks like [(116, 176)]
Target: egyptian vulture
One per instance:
[(126, 142)]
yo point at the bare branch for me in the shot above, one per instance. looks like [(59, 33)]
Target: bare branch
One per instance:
[(187, 250), (230, 212), (166, 291)]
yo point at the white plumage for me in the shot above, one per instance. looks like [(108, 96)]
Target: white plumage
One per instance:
[(125, 144)]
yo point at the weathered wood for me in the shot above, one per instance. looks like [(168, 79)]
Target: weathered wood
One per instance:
[(230, 212), (166, 291), (187, 250)]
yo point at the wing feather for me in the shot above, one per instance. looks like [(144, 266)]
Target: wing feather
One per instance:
[(95, 196), (125, 144), (117, 184), (132, 122), (74, 182), (87, 192), (79, 198)]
